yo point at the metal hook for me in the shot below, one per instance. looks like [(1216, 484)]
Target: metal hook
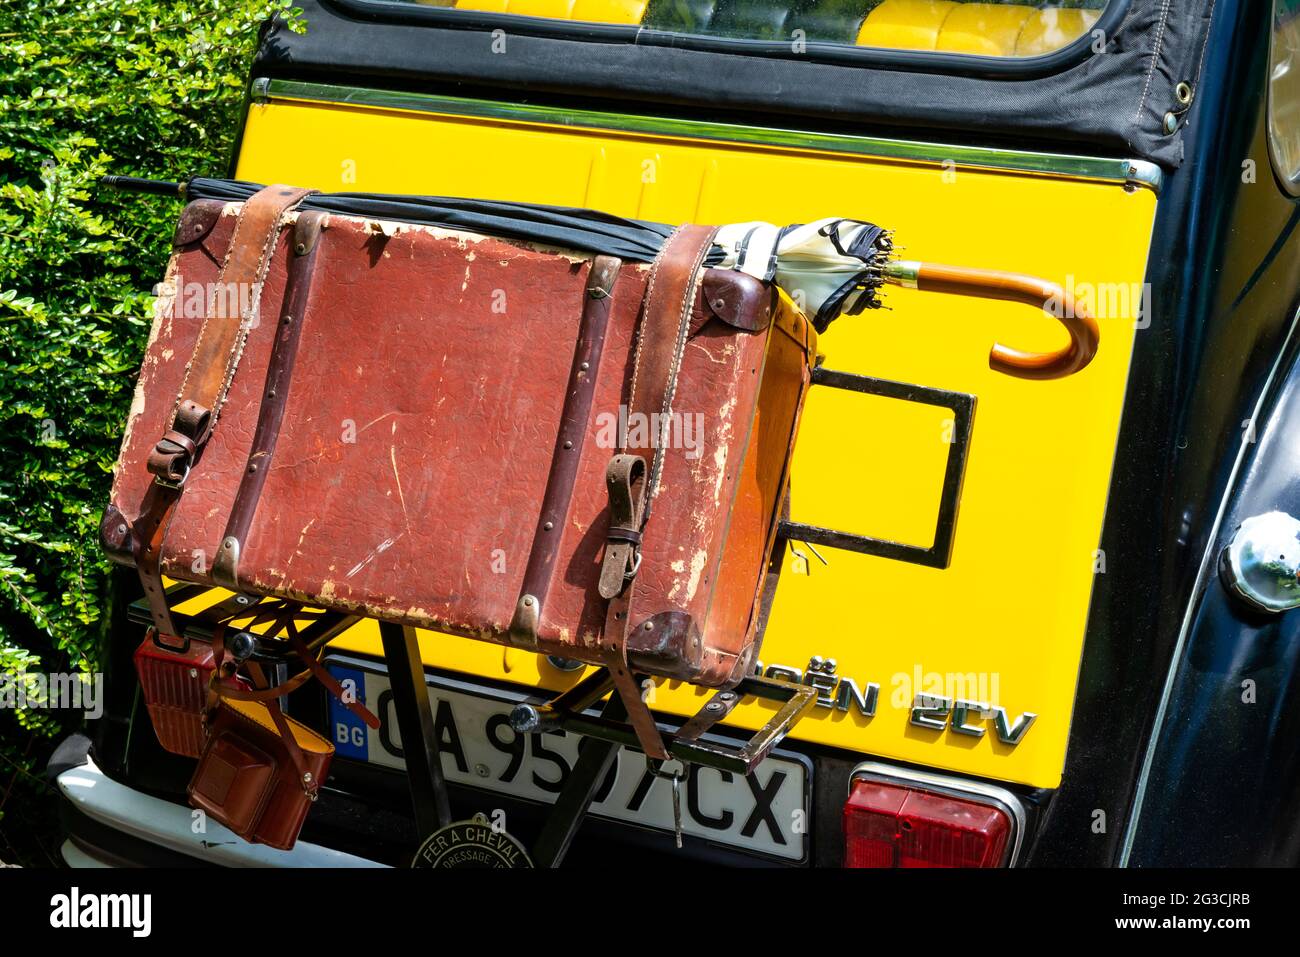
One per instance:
[(800, 557), (676, 778)]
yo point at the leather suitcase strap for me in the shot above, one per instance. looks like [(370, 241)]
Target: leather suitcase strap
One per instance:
[(570, 439), (310, 786), (207, 380), (221, 338), (631, 482), (219, 688), (151, 527), (279, 375)]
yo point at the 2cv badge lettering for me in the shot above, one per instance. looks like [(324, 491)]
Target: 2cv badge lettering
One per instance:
[(963, 717)]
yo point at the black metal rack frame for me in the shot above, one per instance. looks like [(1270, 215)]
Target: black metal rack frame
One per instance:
[(565, 711)]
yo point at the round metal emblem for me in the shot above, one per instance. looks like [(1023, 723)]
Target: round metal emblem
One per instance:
[(473, 843), (1261, 565)]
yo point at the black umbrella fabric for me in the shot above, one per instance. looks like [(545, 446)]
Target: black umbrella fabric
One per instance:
[(587, 230), (835, 265)]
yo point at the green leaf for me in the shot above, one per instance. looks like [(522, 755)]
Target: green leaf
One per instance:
[(149, 88)]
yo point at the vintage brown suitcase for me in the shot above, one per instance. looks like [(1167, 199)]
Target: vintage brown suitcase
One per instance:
[(527, 445)]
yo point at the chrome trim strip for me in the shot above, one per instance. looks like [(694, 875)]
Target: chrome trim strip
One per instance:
[(1127, 172), (1208, 562), (958, 787)]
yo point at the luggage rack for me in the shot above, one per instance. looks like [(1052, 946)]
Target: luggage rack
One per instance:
[(566, 711)]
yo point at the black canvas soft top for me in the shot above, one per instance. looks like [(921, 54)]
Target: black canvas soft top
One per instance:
[(1116, 102)]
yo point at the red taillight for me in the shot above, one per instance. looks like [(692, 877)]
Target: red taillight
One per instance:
[(893, 825)]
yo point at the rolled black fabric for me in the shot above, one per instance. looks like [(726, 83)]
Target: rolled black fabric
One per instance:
[(587, 230), (835, 265)]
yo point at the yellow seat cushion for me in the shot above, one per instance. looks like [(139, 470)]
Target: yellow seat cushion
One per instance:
[(987, 29), (1048, 30), (905, 24), (591, 11)]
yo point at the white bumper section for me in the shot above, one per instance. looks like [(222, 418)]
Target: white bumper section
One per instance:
[(171, 826)]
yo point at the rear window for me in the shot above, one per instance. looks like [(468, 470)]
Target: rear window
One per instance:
[(994, 29)]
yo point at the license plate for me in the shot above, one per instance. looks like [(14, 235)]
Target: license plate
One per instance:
[(765, 813)]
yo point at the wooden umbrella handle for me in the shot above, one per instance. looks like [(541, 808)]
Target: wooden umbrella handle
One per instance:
[(1048, 296)]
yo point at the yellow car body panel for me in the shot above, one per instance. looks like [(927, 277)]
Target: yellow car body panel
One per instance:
[(1005, 622)]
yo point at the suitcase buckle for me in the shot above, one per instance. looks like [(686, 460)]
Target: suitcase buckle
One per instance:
[(172, 483), (176, 451), (622, 548)]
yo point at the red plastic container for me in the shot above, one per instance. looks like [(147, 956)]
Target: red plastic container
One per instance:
[(174, 682)]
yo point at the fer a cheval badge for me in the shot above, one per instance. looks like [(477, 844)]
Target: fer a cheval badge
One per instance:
[(472, 843)]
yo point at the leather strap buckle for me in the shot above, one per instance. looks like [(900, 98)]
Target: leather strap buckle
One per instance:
[(624, 479), (171, 460), (174, 455)]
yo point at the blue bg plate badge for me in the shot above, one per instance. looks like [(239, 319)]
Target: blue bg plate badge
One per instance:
[(348, 732)]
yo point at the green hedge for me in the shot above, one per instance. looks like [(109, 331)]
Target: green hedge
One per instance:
[(142, 87)]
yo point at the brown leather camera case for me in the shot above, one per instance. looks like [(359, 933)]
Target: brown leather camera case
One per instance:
[(248, 778)]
